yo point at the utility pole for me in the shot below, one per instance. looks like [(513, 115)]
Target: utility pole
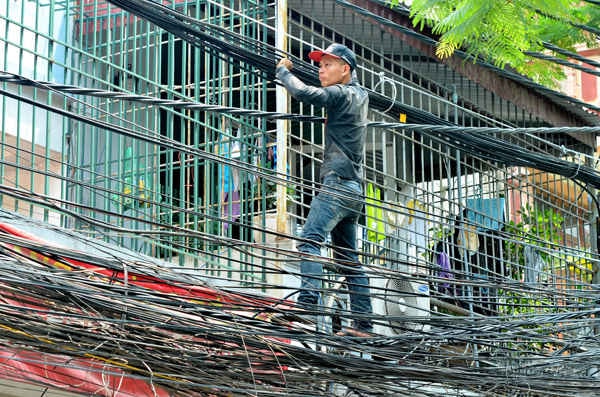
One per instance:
[(281, 26)]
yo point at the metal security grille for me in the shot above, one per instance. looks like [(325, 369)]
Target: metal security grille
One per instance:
[(161, 154), (438, 193), (118, 183)]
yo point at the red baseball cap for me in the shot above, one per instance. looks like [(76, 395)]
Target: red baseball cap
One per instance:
[(335, 50)]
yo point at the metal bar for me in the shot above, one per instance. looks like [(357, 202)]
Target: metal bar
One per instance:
[(282, 125)]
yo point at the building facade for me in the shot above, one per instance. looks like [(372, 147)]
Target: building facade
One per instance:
[(160, 130)]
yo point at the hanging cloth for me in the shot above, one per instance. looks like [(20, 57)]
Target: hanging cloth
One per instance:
[(417, 225), (468, 239), (486, 213), (374, 210), (445, 271), (534, 264), (229, 178)]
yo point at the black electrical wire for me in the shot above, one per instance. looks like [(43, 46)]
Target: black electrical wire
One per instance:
[(552, 167), (500, 71), (158, 331), (477, 141), (571, 54), (493, 158), (8, 77), (224, 43), (406, 12), (583, 27), (562, 62), (481, 146), (146, 12), (173, 337)]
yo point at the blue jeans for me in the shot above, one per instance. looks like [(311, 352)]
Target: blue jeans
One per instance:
[(335, 210)]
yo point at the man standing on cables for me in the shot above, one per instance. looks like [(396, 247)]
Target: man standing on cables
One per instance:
[(336, 209)]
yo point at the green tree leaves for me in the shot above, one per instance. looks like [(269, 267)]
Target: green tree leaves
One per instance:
[(500, 31)]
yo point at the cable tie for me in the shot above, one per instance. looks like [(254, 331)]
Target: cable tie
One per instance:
[(577, 171), (563, 150)]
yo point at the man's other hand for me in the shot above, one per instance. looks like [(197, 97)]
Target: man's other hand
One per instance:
[(285, 62)]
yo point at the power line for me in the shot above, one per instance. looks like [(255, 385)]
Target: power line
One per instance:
[(503, 72), (223, 43), (477, 141)]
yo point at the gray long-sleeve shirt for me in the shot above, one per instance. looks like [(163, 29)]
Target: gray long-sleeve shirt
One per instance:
[(346, 106)]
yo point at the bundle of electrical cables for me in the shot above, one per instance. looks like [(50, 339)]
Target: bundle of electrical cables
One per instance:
[(180, 333), (251, 53)]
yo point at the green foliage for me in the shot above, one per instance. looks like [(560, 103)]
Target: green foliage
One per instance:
[(271, 194), (541, 228), (500, 31), (543, 72), (537, 227)]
